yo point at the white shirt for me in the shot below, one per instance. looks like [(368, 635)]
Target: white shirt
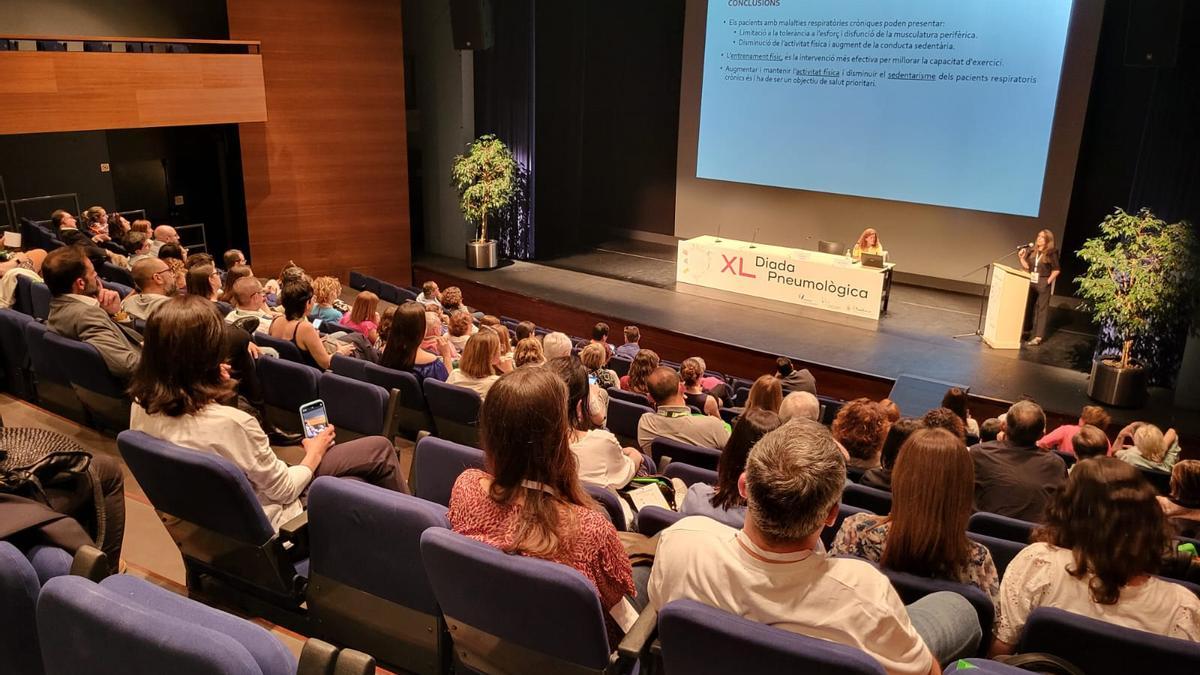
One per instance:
[(1038, 577), (481, 385), (838, 599), (600, 460), (8, 285), (232, 434)]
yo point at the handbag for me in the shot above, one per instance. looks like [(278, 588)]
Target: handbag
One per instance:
[(29, 458)]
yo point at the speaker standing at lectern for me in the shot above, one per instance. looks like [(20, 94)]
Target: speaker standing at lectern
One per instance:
[(1041, 261)]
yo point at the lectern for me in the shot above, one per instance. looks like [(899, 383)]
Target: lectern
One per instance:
[(1007, 295)]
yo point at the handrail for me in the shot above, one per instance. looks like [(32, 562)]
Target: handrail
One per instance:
[(94, 38)]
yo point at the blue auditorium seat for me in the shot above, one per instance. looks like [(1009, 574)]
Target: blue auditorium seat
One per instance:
[(911, 588), (689, 473), (437, 463), (14, 355), (358, 281), (1000, 527), (287, 350), (872, 499), (111, 272), (1003, 550), (655, 519), (355, 408), (623, 418), (411, 412), (347, 366), (54, 390), (1101, 648), (611, 503), (628, 396), (678, 451), (120, 289), (455, 411), (286, 385), (101, 393), (21, 579)]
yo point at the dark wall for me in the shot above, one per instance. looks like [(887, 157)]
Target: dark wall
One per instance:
[(197, 19), (36, 165)]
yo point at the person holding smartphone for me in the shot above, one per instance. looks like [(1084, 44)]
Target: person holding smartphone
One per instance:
[(179, 387)]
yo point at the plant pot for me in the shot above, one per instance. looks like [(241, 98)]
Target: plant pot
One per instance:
[(1116, 386), (482, 255)]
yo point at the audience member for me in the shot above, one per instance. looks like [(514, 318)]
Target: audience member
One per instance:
[(770, 570), (723, 502), (193, 259), (231, 277), (204, 281), (599, 457), (1089, 442), (767, 394), (956, 401), (990, 429), (600, 337), (530, 501), (164, 235), (461, 329), (172, 252), (81, 309), (385, 325), (1182, 506), (403, 351), (1061, 439), (890, 409), (926, 532), (95, 220), (528, 353), (691, 371), (137, 247), (142, 225), (1096, 556), (1012, 476), (525, 329), (945, 418), (643, 364), (860, 427), (294, 326), (452, 299), (155, 284), (1150, 447), (673, 419), (429, 295), (69, 233), (595, 357), (177, 391), (881, 476), (364, 316), (247, 297), (631, 346), (26, 264), (506, 345), (792, 379), (325, 291), (480, 365), (232, 258), (556, 345), (799, 404), (118, 225)]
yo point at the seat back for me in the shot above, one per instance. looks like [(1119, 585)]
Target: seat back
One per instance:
[(1159, 480), (455, 411), (911, 588), (14, 355), (1000, 527), (702, 640), (358, 280), (830, 407), (102, 394), (128, 625), (1096, 646), (437, 463), (53, 387), (389, 292), (111, 272), (872, 499), (916, 396), (286, 385), (623, 418), (19, 589), (834, 247), (349, 367), (629, 396), (372, 284), (678, 451), (485, 595), (411, 412), (355, 408), (120, 289), (620, 365), (611, 504), (287, 350), (830, 533), (22, 298), (690, 474), (655, 519), (33, 298), (1003, 551), (370, 597)]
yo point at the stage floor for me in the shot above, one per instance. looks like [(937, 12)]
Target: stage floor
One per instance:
[(635, 281)]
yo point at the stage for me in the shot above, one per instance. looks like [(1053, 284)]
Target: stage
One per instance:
[(632, 282)]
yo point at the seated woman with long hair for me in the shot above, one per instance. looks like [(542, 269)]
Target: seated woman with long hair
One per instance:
[(403, 351), (599, 457), (642, 365), (765, 394), (933, 489), (177, 390), (296, 296), (1096, 555), (868, 242), (480, 365), (723, 501), (529, 500), (203, 281)]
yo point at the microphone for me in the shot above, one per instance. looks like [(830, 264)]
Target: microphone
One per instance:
[(754, 239), (718, 233), (1027, 245)]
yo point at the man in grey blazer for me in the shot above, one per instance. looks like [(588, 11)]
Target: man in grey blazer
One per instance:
[(82, 309)]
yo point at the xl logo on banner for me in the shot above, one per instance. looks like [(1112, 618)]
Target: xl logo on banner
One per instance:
[(729, 266)]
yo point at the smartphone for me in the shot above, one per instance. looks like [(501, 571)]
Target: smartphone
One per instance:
[(313, 417), (591, 378), (317, 323)]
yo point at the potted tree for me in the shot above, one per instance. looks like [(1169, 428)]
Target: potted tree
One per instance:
[(485, 176), (1141, 280)]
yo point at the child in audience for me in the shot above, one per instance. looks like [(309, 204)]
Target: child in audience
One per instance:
[(452, 299), (933, 487), (364, 316), (723, 501), (1182, 507), (1150, 447), (1089, 442), (1061, 439), (1103, 540), (325, 291)]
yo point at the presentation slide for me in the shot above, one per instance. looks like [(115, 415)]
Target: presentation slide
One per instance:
[(942, 102)]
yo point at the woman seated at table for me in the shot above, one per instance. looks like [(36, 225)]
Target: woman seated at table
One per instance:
[(868, 242)]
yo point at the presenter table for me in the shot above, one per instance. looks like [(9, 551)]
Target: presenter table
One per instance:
[(822, 281)]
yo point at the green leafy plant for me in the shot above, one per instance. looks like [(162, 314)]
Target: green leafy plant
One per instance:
[(485, 176), (1141, 276)]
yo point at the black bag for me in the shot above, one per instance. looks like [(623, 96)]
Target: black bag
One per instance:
[(29, 458)]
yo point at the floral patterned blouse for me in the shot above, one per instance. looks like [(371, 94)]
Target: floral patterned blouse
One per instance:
[(863, 534)]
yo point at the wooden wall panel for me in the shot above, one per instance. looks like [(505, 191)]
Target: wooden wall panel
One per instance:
[(84, 91), (327, 175)]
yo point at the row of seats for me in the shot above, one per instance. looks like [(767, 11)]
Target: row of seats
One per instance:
[(386, 291)]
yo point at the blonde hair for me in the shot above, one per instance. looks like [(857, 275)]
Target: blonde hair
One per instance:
[(593, 356), (528, 351), (1149, 441), (478, 354), (691, 370), (325, 289)]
